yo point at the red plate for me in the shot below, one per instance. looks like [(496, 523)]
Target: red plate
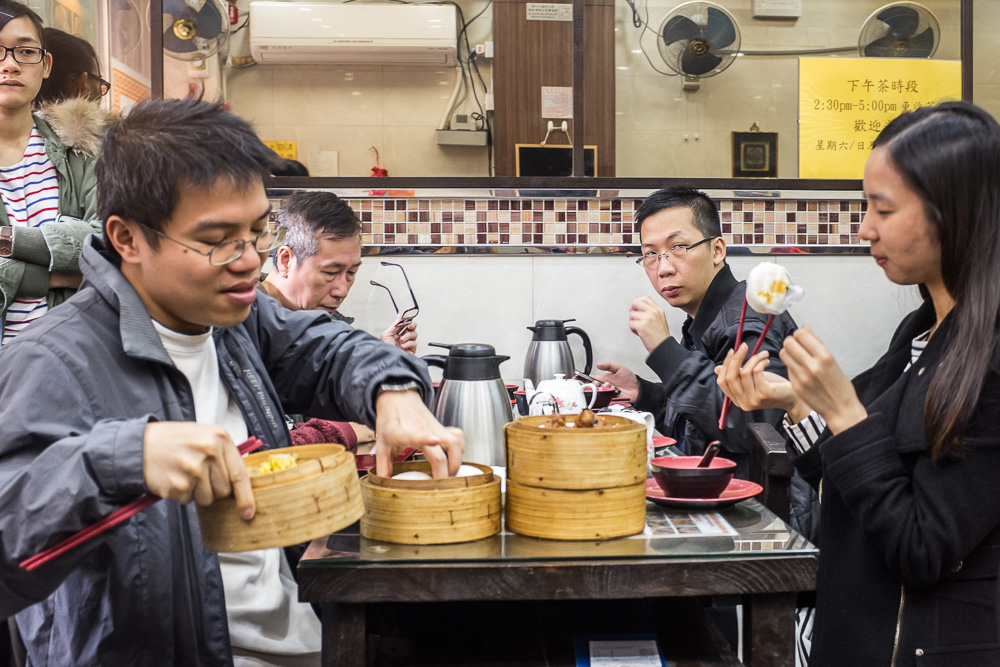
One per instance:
[(738, 489), (663, 441)]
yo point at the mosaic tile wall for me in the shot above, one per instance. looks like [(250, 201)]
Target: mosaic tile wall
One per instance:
[(600, 222)]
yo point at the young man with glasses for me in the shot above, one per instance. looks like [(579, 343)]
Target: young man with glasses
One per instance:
[(684, 257), (46, 179), (141, 383)]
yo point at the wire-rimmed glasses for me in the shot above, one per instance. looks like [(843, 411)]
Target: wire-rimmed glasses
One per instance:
[(230, 251), (651, 259), (411, 312)]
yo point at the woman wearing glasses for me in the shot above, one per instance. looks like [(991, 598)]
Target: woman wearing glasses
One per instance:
[(907, 456), (47, 182), (75, 70)]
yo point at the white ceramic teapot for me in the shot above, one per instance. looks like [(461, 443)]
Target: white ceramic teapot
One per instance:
[(567, 394)]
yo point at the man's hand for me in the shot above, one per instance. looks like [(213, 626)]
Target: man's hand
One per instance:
[(185, 461), (362, 433), (620, 377), (648, 322), (402, 420), (401, 334)]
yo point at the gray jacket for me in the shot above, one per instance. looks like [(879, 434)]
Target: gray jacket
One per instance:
[(76, 391)]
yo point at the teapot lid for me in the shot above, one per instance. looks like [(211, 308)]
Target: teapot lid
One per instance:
[(471, 361), (472, 350), (550, 329)]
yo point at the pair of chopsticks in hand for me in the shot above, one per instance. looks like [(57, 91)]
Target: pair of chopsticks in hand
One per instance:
[(110, 521)]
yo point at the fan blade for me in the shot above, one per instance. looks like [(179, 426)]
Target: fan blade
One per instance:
[(176, 8), (209, 21), (693, 65), (921, 45), (902, 20), (719, 33), (175, 44), (678, 28), (881, 47)]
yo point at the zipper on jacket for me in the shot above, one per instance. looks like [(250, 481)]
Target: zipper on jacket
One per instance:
[(899, 625)]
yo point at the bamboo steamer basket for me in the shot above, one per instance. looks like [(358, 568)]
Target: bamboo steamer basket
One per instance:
[(317, 497), (576, 514), (576, 483), (440, 511), (576, 458)]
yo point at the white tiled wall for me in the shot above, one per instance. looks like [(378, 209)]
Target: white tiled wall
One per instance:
[(491, 299)]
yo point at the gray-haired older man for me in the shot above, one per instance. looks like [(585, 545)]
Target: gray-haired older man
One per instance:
[(314, 267)]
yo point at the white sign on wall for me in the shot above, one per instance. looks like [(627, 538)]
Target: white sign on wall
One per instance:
[(557, 102), (547, 11)]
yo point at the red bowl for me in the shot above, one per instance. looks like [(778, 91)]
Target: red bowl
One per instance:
[(604, 396), (680, 476)]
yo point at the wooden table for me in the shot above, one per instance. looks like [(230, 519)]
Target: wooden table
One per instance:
[(766, 564)]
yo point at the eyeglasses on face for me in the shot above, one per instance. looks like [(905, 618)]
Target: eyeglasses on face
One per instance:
[(408, 314), (678, 251), (105, 85), (26, 55), (230, 251)]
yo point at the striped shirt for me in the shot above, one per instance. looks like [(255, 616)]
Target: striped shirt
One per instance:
[(806, 433), (30, 194)]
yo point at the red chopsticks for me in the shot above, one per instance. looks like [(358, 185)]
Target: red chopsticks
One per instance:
[(111, 520)]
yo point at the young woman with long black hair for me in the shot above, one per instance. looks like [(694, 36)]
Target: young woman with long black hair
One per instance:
[(907, 456)]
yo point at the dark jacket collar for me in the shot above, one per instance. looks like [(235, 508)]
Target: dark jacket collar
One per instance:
[(139, 338), (715, 298)]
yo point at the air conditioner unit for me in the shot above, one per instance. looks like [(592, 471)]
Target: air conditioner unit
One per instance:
[(285, 33)]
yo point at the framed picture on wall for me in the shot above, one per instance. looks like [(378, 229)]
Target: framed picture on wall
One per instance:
[(755, 154)]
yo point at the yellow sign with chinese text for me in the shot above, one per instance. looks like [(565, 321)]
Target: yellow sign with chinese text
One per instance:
[(284, 149), (845, 102)]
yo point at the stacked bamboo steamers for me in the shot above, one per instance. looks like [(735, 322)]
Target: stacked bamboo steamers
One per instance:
[(576, 483), (563, 483)]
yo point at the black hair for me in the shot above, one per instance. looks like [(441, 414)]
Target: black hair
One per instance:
[(162, 146), (10, 10), (71, 57), (704, 213), (950, 155), (285, 167), (310, 216)]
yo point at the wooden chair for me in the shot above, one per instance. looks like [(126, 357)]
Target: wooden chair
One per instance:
[(771, 467)]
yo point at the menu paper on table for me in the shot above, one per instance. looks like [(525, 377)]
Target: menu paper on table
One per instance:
[(661, 523), (617, 651)]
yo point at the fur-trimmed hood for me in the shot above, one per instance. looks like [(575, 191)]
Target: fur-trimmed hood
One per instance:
[(78, 122)]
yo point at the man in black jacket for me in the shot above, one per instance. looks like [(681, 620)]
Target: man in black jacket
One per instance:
[(684, 256)]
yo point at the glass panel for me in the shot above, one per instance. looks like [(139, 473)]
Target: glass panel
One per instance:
[(125, 52), (986, 55), (759, 532), (667, 126)]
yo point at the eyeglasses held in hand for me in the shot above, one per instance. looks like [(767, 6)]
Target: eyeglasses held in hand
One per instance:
[(230, 251), (26, 55), (677, 251), (408, 314)]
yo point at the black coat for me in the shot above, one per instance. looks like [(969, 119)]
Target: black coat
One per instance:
[(687, 392), (906, 542)]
